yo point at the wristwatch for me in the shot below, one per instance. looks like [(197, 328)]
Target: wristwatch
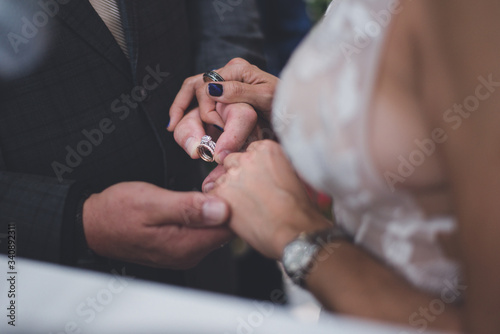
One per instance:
[(299, 256)]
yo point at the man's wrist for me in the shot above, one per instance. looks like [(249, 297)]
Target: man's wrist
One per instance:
[(84, 254)]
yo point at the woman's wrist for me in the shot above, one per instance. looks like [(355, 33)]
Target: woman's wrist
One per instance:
[(301, 255), (308, 223)]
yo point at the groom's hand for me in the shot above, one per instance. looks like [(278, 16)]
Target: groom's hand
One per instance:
[(141, 223)]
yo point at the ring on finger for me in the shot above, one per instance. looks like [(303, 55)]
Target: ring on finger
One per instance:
[(212, 76)]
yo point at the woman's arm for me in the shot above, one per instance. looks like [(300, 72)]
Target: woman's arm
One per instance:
[(352, 282), (459, 43), (270, 208)]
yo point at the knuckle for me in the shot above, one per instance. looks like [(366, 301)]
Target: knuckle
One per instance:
[(234, 171), (237, 61), (271, 146), (236, 89), (188, 81), (178, 135), (130, 199), (192, 81), (253, 68), (248, 157), (230, 108), (251, 115), (263, 145), (266, 93), (197, 201), (190, 215), (249, 72), (221, 181), (258, 144), (192, 207)]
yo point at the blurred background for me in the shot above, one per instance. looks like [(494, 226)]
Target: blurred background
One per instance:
[(285, 23)]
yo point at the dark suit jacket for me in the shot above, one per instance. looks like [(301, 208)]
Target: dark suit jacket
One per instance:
[(76, 114)]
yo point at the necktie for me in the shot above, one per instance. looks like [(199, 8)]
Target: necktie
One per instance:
[(110, 13)]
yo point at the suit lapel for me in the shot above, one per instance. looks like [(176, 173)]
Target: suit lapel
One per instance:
[(81, 17)]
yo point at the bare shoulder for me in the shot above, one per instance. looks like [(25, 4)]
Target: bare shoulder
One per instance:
[(460, 49), (459, 42), (442, 62)]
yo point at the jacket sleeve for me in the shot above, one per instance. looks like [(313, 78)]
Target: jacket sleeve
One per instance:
[(42, 209), (223, 30)]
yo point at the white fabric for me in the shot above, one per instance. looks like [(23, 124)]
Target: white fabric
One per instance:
[(320, 115), (109, 12), (55, 299)]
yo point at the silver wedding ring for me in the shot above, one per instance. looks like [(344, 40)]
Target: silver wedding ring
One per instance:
[(206, 149), (212, 76)]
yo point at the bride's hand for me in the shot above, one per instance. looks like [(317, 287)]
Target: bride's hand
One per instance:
[(245, 86), (245, 83), (270, 206)]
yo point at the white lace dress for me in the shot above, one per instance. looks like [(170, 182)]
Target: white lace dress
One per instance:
[(320, 115)]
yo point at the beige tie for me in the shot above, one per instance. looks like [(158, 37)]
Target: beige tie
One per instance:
[(110, 13)]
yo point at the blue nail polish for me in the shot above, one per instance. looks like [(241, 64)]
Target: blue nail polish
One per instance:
[(215, 89), (218, 128), (168, 125)]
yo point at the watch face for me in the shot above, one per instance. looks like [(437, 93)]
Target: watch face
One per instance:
[(297, 255)]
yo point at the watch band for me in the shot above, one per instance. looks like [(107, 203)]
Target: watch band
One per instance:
[(299, 256)]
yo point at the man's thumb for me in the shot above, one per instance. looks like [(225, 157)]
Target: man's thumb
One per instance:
[(201, 210)]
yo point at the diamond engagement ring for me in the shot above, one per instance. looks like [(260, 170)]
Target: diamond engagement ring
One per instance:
[(212, 76), (206, 149)]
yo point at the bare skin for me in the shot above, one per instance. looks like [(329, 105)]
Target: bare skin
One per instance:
[(141, 223), (239, 120), (433, 58), (271, 208)]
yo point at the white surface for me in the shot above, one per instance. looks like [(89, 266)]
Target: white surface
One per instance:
[(54, 299)]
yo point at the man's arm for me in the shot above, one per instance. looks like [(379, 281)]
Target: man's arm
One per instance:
[(222, 31), (43, 211), (135, 222)]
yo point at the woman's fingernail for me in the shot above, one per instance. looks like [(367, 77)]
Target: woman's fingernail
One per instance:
[(218, 128), (215, 89), (168, 125), (221, 156), (214, 212), (209, 187)]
